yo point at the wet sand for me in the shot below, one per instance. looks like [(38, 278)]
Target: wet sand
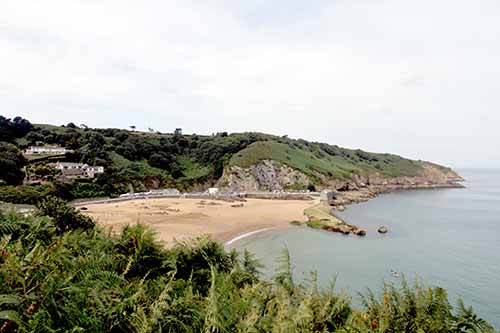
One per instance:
[(180, 219)]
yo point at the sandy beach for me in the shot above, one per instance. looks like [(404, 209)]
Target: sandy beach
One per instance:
[(179, 219)]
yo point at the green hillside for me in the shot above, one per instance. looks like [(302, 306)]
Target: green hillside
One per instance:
[(158, 160), (331, 161)]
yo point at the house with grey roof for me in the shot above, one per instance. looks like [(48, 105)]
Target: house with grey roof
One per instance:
[(78, 170)]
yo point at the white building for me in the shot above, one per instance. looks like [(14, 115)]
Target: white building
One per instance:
[(93, 170), (78, 169), (213, 191), (46, 150)]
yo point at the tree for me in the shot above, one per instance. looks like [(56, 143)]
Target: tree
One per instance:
[(65, 218), (71, 125), (21, 126), (132, 127), (15, 128), (160, 160), (44, 170), (34, 137), (11, 164), (94, 140)]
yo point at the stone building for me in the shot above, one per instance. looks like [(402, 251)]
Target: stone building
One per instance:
[(328, 196)]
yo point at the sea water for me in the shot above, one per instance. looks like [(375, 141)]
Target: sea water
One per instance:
[(444, 237)]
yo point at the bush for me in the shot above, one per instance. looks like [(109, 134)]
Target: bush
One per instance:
[(94, 282), (65, 218), (11, 163), (25, 194), (315, 224)]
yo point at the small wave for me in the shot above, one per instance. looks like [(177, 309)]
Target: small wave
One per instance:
[(248, 234)]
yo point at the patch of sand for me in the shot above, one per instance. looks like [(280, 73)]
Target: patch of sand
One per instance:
[(179, 219)]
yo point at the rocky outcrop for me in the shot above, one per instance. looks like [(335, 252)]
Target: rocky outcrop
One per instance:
[(267, 175), (382, 230), (344, 228), (362, 188), (430, 175)]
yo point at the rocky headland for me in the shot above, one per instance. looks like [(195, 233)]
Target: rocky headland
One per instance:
[(269, 175)]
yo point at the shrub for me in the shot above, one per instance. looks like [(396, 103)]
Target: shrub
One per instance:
[(96, 282), (65, 218), (315, 224), (11, 163), (25, 194), (297, 223)]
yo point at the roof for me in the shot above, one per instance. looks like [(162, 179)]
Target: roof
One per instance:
[(70, 164), (47, 147), (73, 172)]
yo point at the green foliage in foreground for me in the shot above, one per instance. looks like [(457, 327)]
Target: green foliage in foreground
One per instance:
[(85, 280)]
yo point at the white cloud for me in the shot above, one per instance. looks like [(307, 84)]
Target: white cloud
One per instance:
[(408, 77)]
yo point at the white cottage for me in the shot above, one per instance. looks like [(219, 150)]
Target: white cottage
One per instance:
[(78, 169)]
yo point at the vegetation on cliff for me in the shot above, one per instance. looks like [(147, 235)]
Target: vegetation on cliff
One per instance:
[(155, 160), (61, 273), (315, 159)]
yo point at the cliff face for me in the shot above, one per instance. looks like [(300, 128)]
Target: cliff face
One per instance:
[(430, 175), (269, 175)]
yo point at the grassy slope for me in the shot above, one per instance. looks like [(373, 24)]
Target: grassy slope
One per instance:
[(309, 157), (191, 169), (312, 159), (142, 168)]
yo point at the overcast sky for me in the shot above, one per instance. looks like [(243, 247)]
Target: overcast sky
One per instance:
[(416, 78)]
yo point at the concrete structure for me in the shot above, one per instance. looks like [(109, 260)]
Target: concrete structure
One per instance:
[(46, 150), (165, 191), (213, 190), (328, 196), (78, 169)]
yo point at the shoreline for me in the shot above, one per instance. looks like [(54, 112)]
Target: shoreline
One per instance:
[(341, 222), (178, 218), (366, 193), (323, 215), (246, 235), (182, 219)]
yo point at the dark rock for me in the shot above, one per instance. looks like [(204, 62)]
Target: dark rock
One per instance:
[(360, 232), (383, 230)]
